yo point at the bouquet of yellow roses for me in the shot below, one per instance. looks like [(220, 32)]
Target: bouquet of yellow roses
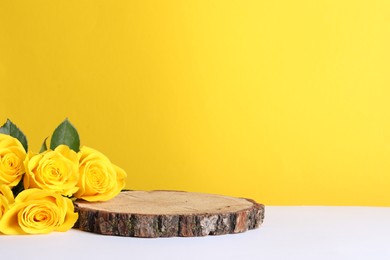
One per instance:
[(37, 189)]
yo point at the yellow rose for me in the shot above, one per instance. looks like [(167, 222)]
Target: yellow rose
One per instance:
[(100, 180), (37, 211), (6, 199), (12, 155), (56, 171)]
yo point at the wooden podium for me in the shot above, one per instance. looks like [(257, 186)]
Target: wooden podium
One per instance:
[(168, 214)]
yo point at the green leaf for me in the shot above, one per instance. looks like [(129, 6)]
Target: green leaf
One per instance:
[(66, 134), (44, 146), (11, 129)]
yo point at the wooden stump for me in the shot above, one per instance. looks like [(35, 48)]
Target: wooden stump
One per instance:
[(168, 214)]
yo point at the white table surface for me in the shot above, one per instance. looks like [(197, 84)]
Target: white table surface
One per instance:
[(287, 233)]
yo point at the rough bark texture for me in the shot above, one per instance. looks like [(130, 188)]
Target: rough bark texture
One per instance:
[(168, 214)]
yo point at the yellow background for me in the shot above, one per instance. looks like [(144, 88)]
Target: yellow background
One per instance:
[(286, 102)]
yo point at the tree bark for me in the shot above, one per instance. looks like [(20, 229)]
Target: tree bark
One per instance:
[(168, 214)]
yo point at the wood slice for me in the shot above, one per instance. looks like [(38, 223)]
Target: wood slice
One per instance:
[(168, 214)]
